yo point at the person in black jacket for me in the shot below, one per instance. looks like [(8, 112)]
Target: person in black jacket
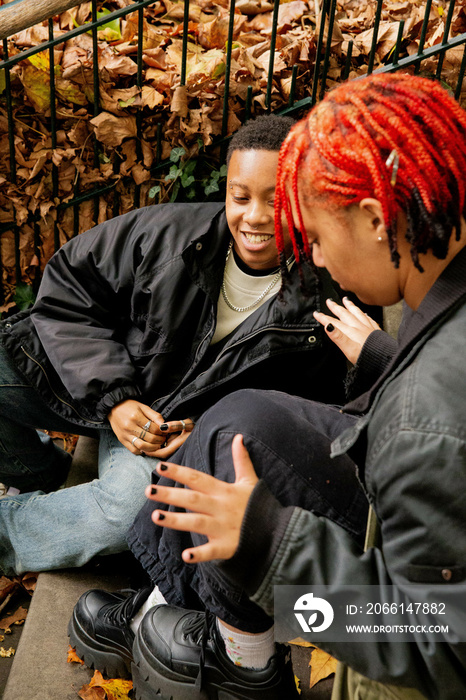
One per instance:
[(140, 325), (379, 200)]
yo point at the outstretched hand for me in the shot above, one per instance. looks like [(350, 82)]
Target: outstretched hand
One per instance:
[(215, 508), (350, 329)]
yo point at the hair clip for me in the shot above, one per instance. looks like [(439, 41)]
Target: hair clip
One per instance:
[(393, 159)]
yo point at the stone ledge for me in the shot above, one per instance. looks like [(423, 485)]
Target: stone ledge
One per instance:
[(40, 670)]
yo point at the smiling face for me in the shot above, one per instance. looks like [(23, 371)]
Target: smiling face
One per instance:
[(250, 207)]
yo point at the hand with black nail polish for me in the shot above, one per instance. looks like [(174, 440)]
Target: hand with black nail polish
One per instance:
[(211, 507)]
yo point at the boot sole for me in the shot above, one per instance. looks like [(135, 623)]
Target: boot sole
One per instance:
[(148, 684), (154, 681), (97, 655)]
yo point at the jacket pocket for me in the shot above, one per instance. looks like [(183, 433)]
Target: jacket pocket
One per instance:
[(141, 343), (435, 574)]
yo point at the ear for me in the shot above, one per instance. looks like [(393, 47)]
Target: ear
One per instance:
[(373, 212)]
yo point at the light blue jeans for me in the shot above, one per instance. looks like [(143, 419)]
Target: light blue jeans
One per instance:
[(64, 528)]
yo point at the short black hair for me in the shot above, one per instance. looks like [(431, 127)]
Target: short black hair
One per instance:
[(265, 133)]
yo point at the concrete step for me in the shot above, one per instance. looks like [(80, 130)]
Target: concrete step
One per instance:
[(40, 670)]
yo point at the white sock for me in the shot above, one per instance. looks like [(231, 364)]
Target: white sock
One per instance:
[(155, 598), (248, 650)]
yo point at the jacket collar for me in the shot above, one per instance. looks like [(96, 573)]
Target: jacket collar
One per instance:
[(205, 258), (205, 255), (443, 298)]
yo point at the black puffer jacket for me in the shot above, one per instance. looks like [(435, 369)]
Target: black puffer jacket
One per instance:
[(128, 309)]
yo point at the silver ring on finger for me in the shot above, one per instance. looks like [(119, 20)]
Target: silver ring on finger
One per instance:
[(143, 434), (134, 440), (183, 425), (147, 425)]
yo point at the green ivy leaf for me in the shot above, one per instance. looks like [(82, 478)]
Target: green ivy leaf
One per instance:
[(187, 180), (211, 187), (176, 154), (156, 189), (24, 297), (189, 167), (175, 190), (173, 173)]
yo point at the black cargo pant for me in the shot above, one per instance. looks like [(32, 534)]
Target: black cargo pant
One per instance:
[(288, 439)]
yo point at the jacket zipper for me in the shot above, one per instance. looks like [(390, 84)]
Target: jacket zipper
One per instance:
[(161, 398), (87, 420), (238, 342), (262, 330), (199, 347), (251, 335)]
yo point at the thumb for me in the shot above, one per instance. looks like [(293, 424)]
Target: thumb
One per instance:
[(244, 468)]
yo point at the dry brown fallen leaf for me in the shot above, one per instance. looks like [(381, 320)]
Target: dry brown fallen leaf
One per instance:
[(322, 666), (28, 581), (8, 589), (300, 642), (73, 657), (6, 653), (68, 443), (87, 693), (195, 113), (16, 618), (298, 682), (100, 689)]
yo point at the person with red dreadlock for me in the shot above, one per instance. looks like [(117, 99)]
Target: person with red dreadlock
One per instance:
[(372, 186)]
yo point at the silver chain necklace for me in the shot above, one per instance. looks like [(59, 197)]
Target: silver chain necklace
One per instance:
[(272, 284)]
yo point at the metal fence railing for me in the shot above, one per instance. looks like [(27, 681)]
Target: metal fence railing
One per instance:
[(113, 105)]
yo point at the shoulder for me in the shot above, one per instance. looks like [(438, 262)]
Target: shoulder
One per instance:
[(184, 218), (428, 393), (173, 226)]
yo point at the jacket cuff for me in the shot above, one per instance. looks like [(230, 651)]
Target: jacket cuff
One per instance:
[(262, 531), (375, 355), (115, 397)]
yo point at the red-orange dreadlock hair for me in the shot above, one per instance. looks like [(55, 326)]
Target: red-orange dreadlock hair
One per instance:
[(338, 154)]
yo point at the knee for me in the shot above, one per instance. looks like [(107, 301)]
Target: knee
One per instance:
[(119, 493), (240, 410), (258, 414)]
